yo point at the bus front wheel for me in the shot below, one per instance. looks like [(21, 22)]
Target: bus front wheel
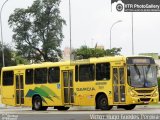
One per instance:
[(102, 103), (129, 107), (37, 103)]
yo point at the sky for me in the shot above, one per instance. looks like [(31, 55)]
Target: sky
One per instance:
[(91, 24)]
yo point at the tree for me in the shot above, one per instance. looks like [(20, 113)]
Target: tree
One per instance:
[(8, 56), (19, 59), (113, 51), (85, 52), (38, 30)]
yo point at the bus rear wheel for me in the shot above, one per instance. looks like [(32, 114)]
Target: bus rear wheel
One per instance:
[(62, 108), (37, 103), (102, 103)]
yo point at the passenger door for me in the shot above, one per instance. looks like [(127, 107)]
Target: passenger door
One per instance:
[(119, 96), (19, 80), (67, 76)]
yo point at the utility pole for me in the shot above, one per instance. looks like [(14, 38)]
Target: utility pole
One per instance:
[(2, 32)]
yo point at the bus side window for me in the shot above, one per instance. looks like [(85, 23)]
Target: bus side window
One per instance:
[(54, 75), (76, 73), (8, 78), (29, 76), (102, 71), (40, 76), (86, 72)]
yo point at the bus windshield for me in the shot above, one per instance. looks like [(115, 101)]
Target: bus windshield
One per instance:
[(142, 76)]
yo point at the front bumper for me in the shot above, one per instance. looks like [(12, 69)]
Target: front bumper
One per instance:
[(144, 100)]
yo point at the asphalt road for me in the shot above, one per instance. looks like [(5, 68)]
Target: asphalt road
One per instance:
[(81, 113)]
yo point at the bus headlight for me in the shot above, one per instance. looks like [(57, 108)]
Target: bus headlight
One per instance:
[(155, 94), (132, 94)]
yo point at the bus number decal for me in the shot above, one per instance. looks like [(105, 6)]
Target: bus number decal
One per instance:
[(101, 83), (101, 87)]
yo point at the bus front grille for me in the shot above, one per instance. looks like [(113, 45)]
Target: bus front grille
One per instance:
[(144, 91)]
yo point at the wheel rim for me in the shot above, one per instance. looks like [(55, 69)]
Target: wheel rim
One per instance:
[(103, 103), (37, 104)]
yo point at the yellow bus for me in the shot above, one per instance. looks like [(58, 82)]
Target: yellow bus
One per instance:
[(101, 82)]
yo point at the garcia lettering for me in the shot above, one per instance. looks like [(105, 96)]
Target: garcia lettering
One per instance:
[(86, 89)]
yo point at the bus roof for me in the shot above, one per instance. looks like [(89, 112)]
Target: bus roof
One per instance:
[(66, 63)]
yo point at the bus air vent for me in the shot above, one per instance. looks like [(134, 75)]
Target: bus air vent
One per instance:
[(145, 99)]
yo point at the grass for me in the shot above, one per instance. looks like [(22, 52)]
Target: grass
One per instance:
[(158, 82)]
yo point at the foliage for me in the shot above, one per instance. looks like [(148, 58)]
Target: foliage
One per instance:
[(19, 59), (38, 30), (8, 56), (159, 86), (85, 52), (158, 82), (113, 51)]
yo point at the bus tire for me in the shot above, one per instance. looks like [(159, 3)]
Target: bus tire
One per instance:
[(44, 107), (62, 108), (129, 107), (37, 103), (102, 103)]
